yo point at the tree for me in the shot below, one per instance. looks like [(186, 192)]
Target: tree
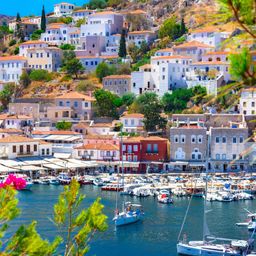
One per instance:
[(150, 106), (134, 51), (103, 69), (183, 28), (43, 20), (243, 68), (24, 79), (19, 30), (122, 47), (7, 93), (63, 125), (170, 28), (71, 64), (128, 98), (40, 75), (67, 47), (106, 103), (80, 22), (244, 13), (78, 225), (97, 4), (36, 34)]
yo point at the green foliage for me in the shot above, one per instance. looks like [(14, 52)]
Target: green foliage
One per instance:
[(24, 79), (141, 62), (71, 64), (123, 69), (96, 4), (80, 226), (67, 47), (36, 34), (181, 39), (122, 47), (18, 30), (64, 126), (199, 93), (242, 67), (4, 30), (172, 29), (80, 22), (40, 75), (151, 107), (43, 20), (128, 98), (85, 85), (114, 3), (103, 69), (12, 42), (7, 93), (16, 51), (66, 20), (177, 101), (106, 103)]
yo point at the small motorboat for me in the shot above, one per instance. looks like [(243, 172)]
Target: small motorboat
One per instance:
[(164, 198), (64, 179), (98, 182), (132, 213)]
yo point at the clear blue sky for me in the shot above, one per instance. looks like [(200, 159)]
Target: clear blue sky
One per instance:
[(27, 7)]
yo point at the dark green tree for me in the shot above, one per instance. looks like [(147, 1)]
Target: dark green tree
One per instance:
[(183, 28), (128, 98), (43, 20), (106, 103), (63, 125), (71, 64), (170, 28), (67, 47), (6, 94), (122, 47), (19, 30), (36, 34), (150, 106), (103, 69), (24, 79)]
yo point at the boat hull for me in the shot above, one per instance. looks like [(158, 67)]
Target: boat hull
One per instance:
[(122, 221)]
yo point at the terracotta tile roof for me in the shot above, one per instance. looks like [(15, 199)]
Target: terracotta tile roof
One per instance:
[(118, 77), (218, 53), (249, 90), (103, 13), (192, 44), (7, 116), (154, 138), (10, 130), (99, 146), (76, 95), (81, 125), (132, 115), (165, 50), (135, 139), (99, 137), (202, 63), (43, 142), (16, 139), (109, 57), (13, 57), (206, 29), (140, 32), (170, 57), (33, 42), (138, 12), (101, 125), (83, 10), (60, 132), (145, 66), (55, 25), (88, 57)]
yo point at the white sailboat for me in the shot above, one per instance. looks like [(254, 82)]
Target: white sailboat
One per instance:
[(131, 213), (211, 245)]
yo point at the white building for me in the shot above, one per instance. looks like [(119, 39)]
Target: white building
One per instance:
[(132, 122), (24, 47), (11, 68), (10, 121), (63, 9), (58, 33), (137, 37), (247, 104), (211, 36), (81, 14)]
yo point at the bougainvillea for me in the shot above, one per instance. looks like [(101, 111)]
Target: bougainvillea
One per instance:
[(12, 180)]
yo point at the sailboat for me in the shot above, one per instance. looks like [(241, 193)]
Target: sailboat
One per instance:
[(210, 245), (131, 213)]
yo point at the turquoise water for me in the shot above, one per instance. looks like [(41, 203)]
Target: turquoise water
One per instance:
[(29, 7), (156, 235)]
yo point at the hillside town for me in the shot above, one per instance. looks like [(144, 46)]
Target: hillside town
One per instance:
[(220, 141)]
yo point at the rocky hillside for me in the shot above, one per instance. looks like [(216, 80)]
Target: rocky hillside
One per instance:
[(4, 19)]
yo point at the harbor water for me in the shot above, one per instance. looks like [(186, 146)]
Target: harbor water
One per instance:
[(156, 235)]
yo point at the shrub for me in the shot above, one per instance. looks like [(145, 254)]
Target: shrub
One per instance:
[(40, 75), (84, 86), (12, 42)]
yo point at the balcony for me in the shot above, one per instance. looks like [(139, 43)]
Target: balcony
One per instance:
[(25, 154)]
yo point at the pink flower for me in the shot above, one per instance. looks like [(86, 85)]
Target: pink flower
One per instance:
[(12, 180)]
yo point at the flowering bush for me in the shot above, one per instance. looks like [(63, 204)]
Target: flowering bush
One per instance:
[(12, 180)]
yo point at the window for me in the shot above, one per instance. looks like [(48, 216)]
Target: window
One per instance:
[(75, 104), (224, 140), (241, 139), (253, 104), (68, 103), (234, 156), (28, 148), (14, 149), (193, 156), (35, 147), (217, 139), (124, 147), (176, 139), (135, 148), (129, 148), (193, 139), (135, 158), (217, 156), (155, 148), (183, 138), (21, 149), (200, 139), (43, 151), (47, 151), (234, 140), (149, 148), (223, 156)]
